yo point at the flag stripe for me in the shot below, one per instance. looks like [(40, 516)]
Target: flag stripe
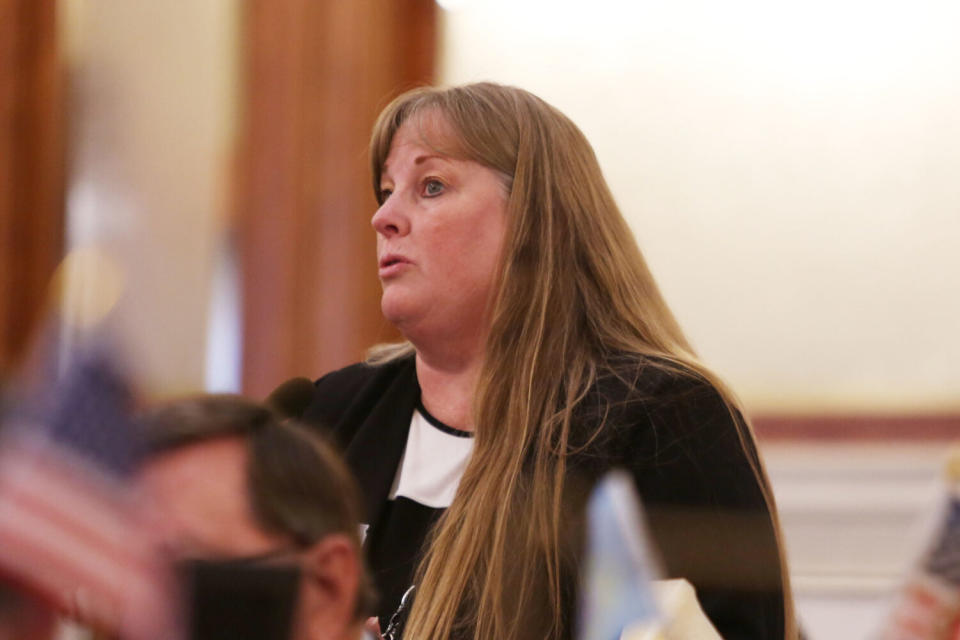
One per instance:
[(110, 595), (115, 580), (69, 539), (109, 563), (58, 577), (64, 500), (71, 528)]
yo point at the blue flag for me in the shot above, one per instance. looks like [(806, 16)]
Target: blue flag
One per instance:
[(944, 558), (616, 586)]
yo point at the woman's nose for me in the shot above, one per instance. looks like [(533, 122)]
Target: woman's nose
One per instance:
[(391, 219)]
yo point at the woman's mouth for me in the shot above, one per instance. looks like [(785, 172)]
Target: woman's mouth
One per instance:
[(392, 264)]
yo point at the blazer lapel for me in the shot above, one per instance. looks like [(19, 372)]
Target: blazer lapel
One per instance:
[(375, 450)]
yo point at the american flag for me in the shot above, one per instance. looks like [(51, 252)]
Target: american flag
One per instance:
[(928, 605), (925, 609), (70, 527), (944, 559)]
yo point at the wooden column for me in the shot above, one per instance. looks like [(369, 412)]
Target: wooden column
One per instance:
[(317, 72), (31, 167)]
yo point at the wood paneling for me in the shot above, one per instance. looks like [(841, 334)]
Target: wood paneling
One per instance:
[(316, 73), (31, 167), (859, 427)]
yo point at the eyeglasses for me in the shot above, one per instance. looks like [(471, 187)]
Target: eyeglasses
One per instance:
[(274, 556), (242, 597), (279, 556)]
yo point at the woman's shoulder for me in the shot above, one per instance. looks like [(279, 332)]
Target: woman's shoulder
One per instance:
[(660, 409), (652, 381), (360, 374), (678, 430), (360, 383)]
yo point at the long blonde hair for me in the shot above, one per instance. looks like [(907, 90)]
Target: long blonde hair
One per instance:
[(573, 291)]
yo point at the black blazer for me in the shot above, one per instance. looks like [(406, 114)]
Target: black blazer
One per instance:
[(674, 434)]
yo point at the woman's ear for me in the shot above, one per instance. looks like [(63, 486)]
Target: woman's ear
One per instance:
[(331, 578)]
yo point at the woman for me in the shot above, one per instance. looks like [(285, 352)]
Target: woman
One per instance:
[(533, 325)]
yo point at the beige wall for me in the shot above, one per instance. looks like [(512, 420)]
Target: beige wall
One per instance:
[(791, 173), (152, 117)]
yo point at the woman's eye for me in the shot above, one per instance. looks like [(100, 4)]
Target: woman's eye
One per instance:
[(432, 188), (384, 194)]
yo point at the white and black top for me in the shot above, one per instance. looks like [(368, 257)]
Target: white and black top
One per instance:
[(432, 464), (673, 434), (424, 486)]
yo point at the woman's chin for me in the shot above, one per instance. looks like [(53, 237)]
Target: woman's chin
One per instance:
[(398, 310)]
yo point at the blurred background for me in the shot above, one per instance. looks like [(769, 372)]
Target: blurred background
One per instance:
[(790, 169)]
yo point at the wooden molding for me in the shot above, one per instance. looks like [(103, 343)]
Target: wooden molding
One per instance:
[(859, 427), (31, 167), (316, 74)]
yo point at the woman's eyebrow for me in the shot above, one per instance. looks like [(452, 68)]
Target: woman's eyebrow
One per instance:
[(425, 157), (385, 171)]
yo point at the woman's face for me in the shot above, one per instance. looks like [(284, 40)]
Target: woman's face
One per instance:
[(440, 230)]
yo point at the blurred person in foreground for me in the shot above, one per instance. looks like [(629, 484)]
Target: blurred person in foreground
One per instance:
[(233, 483), (539, 354)]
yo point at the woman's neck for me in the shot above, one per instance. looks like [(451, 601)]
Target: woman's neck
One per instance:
[(447, 387)]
